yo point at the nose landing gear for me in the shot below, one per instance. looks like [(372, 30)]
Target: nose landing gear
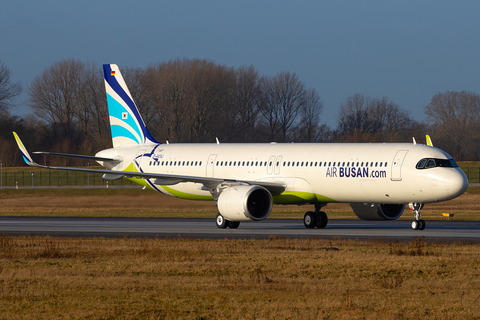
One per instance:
[(417, 224)]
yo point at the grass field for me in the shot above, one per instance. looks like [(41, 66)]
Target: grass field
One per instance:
[(45, 278)]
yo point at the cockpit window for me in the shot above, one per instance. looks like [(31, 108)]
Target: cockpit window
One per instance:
[(432, 163), (421, 164)]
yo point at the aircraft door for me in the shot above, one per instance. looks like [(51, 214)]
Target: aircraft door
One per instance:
[(211, 165), (270, 165), (278, 163), (397, 165)]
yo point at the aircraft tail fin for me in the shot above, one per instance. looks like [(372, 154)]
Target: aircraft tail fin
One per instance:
[(126, 124)]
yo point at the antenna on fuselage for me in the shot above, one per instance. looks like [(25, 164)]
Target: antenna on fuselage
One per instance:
[(414, 142), (218, 142)]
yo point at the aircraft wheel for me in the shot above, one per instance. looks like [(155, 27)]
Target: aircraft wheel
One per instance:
[(233, 224), (322, 220), (221, 222), (415, 225), (310, 220), (421, 224)]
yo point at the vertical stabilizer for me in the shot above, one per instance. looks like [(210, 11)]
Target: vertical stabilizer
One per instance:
[(128, 128)]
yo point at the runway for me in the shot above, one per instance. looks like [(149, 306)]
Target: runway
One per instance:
[(205, 229)]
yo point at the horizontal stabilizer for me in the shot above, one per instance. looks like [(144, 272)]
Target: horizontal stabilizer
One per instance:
[(93, 158)]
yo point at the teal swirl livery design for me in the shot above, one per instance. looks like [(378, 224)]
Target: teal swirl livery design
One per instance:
[(127, 126)]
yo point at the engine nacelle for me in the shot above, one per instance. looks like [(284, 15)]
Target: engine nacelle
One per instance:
[(245, 203), (377, 211)]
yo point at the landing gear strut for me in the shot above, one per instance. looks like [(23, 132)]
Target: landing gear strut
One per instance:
[(417, 224), (317, 219), (223, 223)]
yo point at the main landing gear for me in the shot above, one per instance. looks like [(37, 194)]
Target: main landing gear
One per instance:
[(417, 224), (317, 219), (223, 223)]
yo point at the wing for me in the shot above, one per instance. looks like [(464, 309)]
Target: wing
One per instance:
[(210, 184)]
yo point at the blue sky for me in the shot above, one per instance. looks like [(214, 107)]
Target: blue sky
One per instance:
[(405, 50)]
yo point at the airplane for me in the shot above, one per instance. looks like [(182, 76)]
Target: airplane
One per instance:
[(378, 180)]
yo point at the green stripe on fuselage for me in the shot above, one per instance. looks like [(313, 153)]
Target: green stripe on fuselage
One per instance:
[(299, 197)]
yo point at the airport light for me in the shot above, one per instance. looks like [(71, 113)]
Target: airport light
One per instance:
[(32, 177), (1, 174)]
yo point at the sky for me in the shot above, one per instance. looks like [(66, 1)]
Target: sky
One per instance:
[(405, 50)]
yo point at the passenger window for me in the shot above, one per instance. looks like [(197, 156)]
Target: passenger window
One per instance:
[(334, 164), (385, 164), (200, 163), (316, 163), (376, 164), (256, 163), (330, 164), (357, 164), (277, 163), (302, 163), (381, 164), (348, 164), (371, 164)]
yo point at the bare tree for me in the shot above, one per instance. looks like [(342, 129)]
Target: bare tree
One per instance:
[(354, 123), (365, 119), (284, 97), (455, 116), (8, 89), (308, 129), (54, 95)]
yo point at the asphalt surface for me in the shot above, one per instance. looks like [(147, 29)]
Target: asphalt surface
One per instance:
[(448, 231)]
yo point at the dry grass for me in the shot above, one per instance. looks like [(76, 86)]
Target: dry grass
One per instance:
[(237, 279), (146, 203)]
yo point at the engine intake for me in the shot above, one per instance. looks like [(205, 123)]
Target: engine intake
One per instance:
[(245, 203), (377, 211)]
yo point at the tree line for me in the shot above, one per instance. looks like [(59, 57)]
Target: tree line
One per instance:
[(197, 100)]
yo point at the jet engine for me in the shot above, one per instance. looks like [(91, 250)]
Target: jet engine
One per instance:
[(245, 203), (377, 211)]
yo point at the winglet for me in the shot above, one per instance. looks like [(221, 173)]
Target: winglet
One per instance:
[(429, 141), (23, 150)]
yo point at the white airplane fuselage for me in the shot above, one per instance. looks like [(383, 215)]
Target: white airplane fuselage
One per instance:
[(312, 173)]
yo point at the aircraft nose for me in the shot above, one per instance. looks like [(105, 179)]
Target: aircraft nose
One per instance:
[(456, 182)]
